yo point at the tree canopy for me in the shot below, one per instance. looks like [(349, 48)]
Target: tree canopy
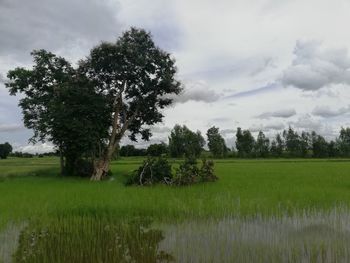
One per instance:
[(184, 142), (5, 150), (216, 143), (119, 88)]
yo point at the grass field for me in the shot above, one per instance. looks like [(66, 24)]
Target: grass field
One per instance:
[(31, 191)]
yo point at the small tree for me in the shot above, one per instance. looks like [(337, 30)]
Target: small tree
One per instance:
[(292, 142), (216, 143), (244, 143), (320, 147), (344, 142), (157, 149), (184, 142), (262, 145)]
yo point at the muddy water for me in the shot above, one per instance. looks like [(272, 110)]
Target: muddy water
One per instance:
[(9, 237)]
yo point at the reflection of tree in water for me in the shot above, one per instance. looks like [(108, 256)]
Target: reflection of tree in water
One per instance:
[(91, 240)]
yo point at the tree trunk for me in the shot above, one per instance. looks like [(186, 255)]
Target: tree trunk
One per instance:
[(61, 163), (101, 167), (100, 170)]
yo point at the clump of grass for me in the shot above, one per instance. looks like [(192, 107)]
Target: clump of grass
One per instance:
[(87, 239)]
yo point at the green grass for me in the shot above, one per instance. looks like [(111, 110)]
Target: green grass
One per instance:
[(246, 187), (262, 197)]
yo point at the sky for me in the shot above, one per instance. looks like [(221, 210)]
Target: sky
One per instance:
[(255, 64)]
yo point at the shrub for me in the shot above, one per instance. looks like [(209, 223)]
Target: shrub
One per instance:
[(152, 171), (206, 171), (188, 173)]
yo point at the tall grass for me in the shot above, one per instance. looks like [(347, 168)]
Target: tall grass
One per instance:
[(87, 239)]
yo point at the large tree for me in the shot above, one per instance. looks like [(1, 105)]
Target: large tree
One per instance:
[(60, 105), (216, 143), (137, 78)]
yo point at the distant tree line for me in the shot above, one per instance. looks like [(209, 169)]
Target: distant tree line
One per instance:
[(31, 155), (288, 144)]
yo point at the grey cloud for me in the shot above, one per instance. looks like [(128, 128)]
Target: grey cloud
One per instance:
[(197, 91), (307, 123), (326, 111), (221, 120), (11, 127), (314, 67), (55, 25), (268, 127), (224, 67), (284, 113), (226, 132), (159, 129), (254, 92)]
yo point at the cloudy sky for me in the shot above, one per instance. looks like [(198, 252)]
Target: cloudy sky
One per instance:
[(255, 64)]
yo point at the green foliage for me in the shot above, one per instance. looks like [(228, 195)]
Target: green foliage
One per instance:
[(262, 146), (188, 172), (157, 149), (5, 150), (344, 142), (244, 143), (135, 75), (131, 150), (60, 105), (216, 143), (152, 171), (184, 142)]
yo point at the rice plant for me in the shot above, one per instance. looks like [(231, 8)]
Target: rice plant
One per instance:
[(82, 239)]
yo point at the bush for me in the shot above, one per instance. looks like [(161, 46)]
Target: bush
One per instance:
[(206, 172), (152, 171), (188, 173)]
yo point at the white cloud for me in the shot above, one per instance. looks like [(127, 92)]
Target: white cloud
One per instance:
[(37, 148), (315, 67)]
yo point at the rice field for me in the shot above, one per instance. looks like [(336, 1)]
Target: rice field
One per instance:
[(259, 211)]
